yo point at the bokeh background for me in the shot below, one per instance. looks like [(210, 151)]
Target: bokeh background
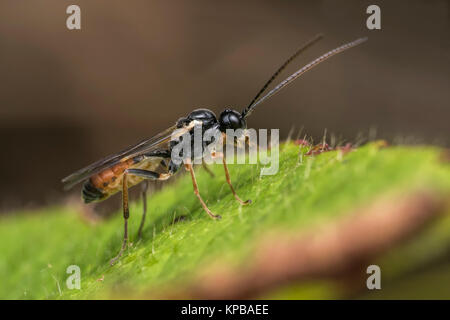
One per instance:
[(70, 97)]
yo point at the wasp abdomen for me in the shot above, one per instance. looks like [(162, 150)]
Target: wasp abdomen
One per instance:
[(106, 182)]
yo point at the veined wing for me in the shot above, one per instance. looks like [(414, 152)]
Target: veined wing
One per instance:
[(154, 143)]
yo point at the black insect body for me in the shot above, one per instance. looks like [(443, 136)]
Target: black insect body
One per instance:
[(152, 158)]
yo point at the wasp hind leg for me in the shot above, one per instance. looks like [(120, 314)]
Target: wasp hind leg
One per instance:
[(126, 215), (190, 168), (126, 212), (144, 205), (148, 175)]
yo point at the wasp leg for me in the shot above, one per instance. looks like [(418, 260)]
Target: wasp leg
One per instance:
[(227, 175), (148, 175), (217, 155), (144, 204), (205, 166), (126, 215), (190, 168)]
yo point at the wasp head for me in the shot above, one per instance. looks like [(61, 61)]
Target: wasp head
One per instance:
[(231, 119)]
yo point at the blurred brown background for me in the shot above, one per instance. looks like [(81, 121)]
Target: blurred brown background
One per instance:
[(70, 97)]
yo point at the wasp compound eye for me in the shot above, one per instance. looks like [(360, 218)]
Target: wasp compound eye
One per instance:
[(231, 119)]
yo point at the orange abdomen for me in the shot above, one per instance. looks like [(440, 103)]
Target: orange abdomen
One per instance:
[(109, 176), (109, 181), (105, 183)]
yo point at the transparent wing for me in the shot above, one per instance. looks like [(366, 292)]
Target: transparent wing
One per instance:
[(154, 143)]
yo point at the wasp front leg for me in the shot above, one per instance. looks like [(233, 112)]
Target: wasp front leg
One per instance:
[(189, 167), (217, 155)]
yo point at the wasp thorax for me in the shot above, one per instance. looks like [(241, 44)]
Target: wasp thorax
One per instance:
[(231, 119), (205, 116)]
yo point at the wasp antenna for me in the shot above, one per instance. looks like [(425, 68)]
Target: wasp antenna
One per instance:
[(301, 71), (283, 66)]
